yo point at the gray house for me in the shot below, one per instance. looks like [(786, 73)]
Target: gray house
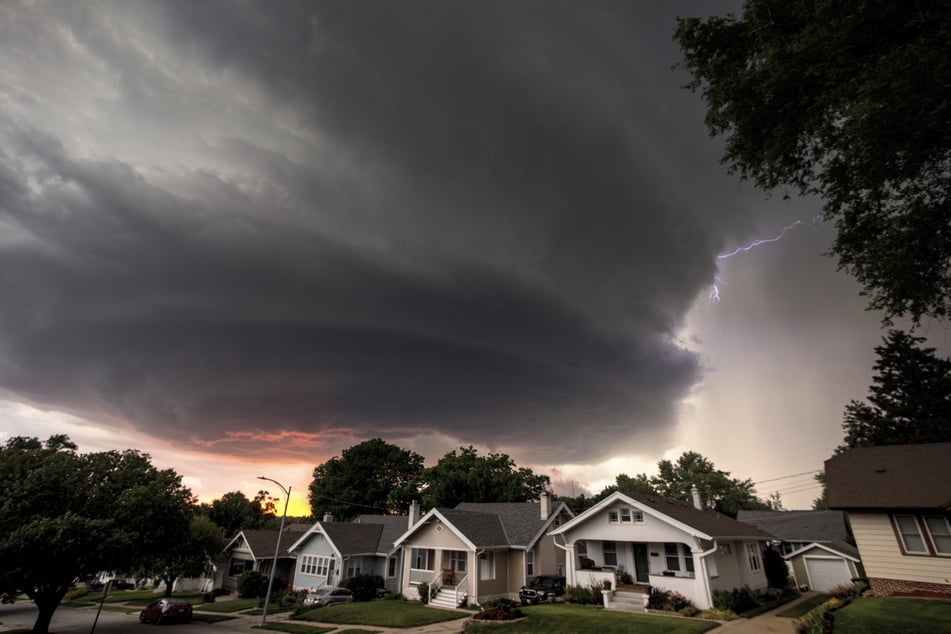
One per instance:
[(254, 550)]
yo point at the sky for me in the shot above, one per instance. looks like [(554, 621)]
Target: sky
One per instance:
[(244, 236)]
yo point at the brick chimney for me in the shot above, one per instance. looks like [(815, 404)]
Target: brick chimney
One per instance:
[(545, 504), (413, 513), (328, 517)]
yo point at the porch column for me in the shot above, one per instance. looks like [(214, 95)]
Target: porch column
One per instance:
[(571, 563)]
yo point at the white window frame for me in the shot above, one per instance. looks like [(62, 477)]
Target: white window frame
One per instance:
[(931, 534), (487, 566), (530, 563), (429, 555), (902, 534), (391, 566), (626, 515), (605, 552), (613, 516), (456, 561), (638, 516), (308, 564), (688, 558), (672, 555), (753, 556)]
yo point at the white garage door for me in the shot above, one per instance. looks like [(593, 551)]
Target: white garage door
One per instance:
[(826, 574)]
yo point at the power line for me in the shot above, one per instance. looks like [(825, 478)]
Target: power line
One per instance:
[(789, 476)]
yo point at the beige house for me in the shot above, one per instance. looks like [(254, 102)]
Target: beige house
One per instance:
[(898, 501), (668, 544), (478, 551)]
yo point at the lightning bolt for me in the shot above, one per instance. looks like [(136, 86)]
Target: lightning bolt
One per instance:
[(714, 294)]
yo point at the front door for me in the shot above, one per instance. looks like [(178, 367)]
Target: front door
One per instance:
[(641, 563)]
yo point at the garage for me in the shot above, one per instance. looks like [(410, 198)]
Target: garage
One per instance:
[(826, 574)]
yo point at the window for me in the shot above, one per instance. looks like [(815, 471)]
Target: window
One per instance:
[(487, 565), (672, 555), (688, 558), (457, 561), (391, 567), (238, 566), (910, 534), (752, 550), (638, 517), (423, 558), (612, 517), (625, 516), (940, 532), (314, 565), (530, 563), (610, 554)]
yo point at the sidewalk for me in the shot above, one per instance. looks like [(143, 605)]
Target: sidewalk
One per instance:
[(767, 622)]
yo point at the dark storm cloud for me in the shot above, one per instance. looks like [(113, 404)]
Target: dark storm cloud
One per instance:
[(477, 219)]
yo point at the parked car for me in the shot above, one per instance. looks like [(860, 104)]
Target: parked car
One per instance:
[(541, 589), (328, 595), (166, 610)]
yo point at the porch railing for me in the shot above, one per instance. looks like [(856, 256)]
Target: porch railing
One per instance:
[(461, 584), (434, 585)]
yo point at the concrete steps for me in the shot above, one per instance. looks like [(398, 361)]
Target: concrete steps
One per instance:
[(446, 598), (628, 601)]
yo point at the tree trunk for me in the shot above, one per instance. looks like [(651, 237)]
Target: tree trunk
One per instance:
[(46, 603), (169, 582)]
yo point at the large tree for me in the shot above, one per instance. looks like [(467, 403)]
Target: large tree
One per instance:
[(192, 555), (718, 490), (465, 476), (849, 101), (909, 400), (233, 511), (65, 515), (371, 477)]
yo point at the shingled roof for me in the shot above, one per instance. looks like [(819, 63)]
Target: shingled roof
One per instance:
[(706, 521), (521, 521), (262, 543), (892, 477), (799, 526)]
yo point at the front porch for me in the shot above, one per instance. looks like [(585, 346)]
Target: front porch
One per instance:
[(445, 573)]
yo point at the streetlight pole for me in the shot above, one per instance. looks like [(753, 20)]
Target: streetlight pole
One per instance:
[(277, 547)]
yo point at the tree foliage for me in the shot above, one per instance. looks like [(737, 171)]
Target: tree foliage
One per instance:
[(234, 512), (65, 515), (465, 476), (849, 101), (371, 477), (909, 400), (192, 555)]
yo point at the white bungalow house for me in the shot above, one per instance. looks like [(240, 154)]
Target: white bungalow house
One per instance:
[(479, 551), (333, 551), (666, 543)]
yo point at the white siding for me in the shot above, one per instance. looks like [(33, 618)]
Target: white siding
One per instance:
[(882, 556)]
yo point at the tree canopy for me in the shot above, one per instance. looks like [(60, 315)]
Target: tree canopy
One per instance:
[(233, 511), (909, 400), (370, 477), (465, 476), (848, 101), (65, 515)]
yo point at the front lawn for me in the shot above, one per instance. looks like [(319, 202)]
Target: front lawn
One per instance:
[(874, 615), (570, 619), (231, 605), (379, 613), (294, 628), (801, 608)]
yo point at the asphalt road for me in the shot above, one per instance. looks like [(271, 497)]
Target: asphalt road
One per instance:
[(22, 615)]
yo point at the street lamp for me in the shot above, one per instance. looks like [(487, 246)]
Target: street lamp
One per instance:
[(277, 548)]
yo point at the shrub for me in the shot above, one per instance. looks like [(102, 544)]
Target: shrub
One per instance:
[(578, 594), (364, 587), (816, 621), (667, 600), (626, 578), (718, 615), (252, 584), (394, 596), (736, 600), (690, 610), (500, 602), (423, 589), (497, 614), (777, 572)]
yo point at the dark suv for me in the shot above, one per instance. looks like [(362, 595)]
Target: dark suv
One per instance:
[(541, 589)]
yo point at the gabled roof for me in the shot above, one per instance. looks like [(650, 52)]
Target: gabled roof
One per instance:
[(366, 535), (483, 530), (798, 526), (705, 524), (892, 477), (836, 548), (521, 521), (262, 543)]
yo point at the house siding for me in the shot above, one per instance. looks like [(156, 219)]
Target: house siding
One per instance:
[(316, 545), (439, 537), (499, 586), (884, 561)]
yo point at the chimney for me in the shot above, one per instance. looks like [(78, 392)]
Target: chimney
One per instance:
[(413, 513), (545, 503), (697, 500), (328, 517)]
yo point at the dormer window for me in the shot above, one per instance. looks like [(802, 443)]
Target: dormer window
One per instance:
[(625, 516), (612, 517)]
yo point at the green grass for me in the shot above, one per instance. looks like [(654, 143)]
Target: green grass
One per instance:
[(353, 631), (769, 605), (231, 605), (798, 610), (380, 614), (569, 619), (295, 628), (874, 615)]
